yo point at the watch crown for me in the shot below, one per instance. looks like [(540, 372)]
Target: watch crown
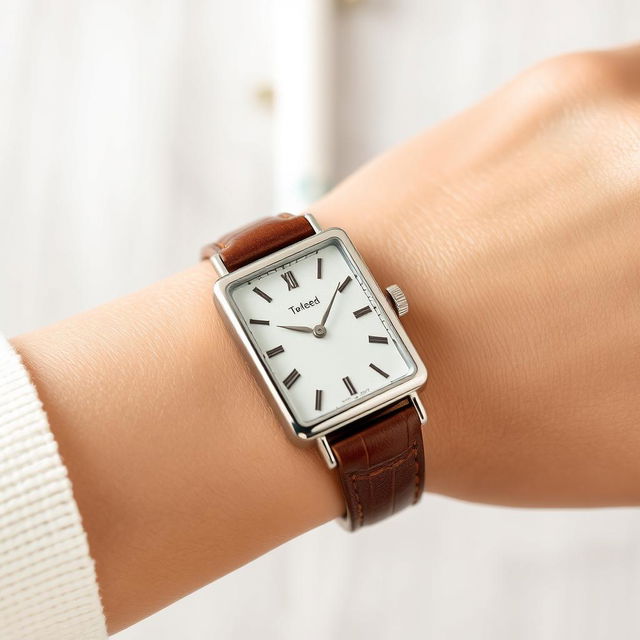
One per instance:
[(398, 299)]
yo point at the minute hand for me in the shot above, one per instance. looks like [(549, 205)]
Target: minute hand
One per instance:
[(326, 313)]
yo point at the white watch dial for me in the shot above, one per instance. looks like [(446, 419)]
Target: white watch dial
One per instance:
[(321, 334)]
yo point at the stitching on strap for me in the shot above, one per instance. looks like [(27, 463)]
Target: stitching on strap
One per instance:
[(416, 493), (402, 458), (354, 483), (399, 459)]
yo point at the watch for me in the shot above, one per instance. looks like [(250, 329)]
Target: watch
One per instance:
[(332, 356)]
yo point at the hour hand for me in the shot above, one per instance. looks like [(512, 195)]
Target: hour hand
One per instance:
[(296, 328)]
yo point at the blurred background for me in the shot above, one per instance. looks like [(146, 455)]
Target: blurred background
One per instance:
[(132, 132)]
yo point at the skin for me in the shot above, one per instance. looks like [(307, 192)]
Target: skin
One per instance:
[(513, 228)]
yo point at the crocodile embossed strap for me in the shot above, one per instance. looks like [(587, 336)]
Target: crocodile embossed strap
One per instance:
[(380, 457), (380, 463)]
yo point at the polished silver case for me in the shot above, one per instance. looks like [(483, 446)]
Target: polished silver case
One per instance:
[(300, 433)]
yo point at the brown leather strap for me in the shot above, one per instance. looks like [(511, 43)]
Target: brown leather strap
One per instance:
[(258, 239), (381, 457), (381, 465)]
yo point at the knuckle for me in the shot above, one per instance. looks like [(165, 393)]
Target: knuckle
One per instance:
[(578, 76), (582, 69)]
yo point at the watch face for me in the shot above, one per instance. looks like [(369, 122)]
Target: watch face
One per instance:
[(319, 331)]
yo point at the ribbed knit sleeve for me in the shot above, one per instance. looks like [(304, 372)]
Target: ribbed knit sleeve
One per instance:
[(48, 585)]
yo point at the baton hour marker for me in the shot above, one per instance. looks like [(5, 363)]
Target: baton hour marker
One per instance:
[(384, 374), (362, 312), (262, 294), (319, 269), (318, 399), (291, 378), (343, 286), (349, 385), (275, 351), (379, 339)]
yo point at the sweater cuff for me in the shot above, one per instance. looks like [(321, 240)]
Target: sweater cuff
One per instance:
[(48, 586)]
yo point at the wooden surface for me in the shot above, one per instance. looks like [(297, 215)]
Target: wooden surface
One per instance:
[(131, 132)]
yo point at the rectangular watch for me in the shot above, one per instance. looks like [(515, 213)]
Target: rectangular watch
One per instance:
[(332, 356)]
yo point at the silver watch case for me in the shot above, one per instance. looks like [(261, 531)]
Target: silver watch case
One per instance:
[(407, 387)]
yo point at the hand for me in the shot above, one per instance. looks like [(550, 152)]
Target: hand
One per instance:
[(328, 309), (296, 328), (513, 228)]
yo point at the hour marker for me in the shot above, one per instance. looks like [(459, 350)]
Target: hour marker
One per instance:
[(291, 378), (275, 351), (379, 339), (384, 374), (349, 385), (343, 286), (290, 279), (262, 294), (319, 268), (362, 312), (318, 399), (254, 321)]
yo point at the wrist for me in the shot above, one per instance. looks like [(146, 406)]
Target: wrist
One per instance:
[(179, 468), (392, 242)]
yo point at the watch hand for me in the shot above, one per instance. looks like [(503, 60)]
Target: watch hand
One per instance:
[(296, 328), (326, 313)]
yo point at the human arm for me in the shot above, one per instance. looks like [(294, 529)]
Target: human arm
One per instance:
[(511, 227)]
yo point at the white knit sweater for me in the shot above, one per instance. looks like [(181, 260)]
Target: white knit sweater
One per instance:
[(48, 585)]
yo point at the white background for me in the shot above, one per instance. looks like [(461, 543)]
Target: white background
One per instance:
[(131, 132)]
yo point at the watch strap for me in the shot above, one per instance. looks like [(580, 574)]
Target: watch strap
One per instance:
[(258, 239), (380, 458), (380, 464)]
